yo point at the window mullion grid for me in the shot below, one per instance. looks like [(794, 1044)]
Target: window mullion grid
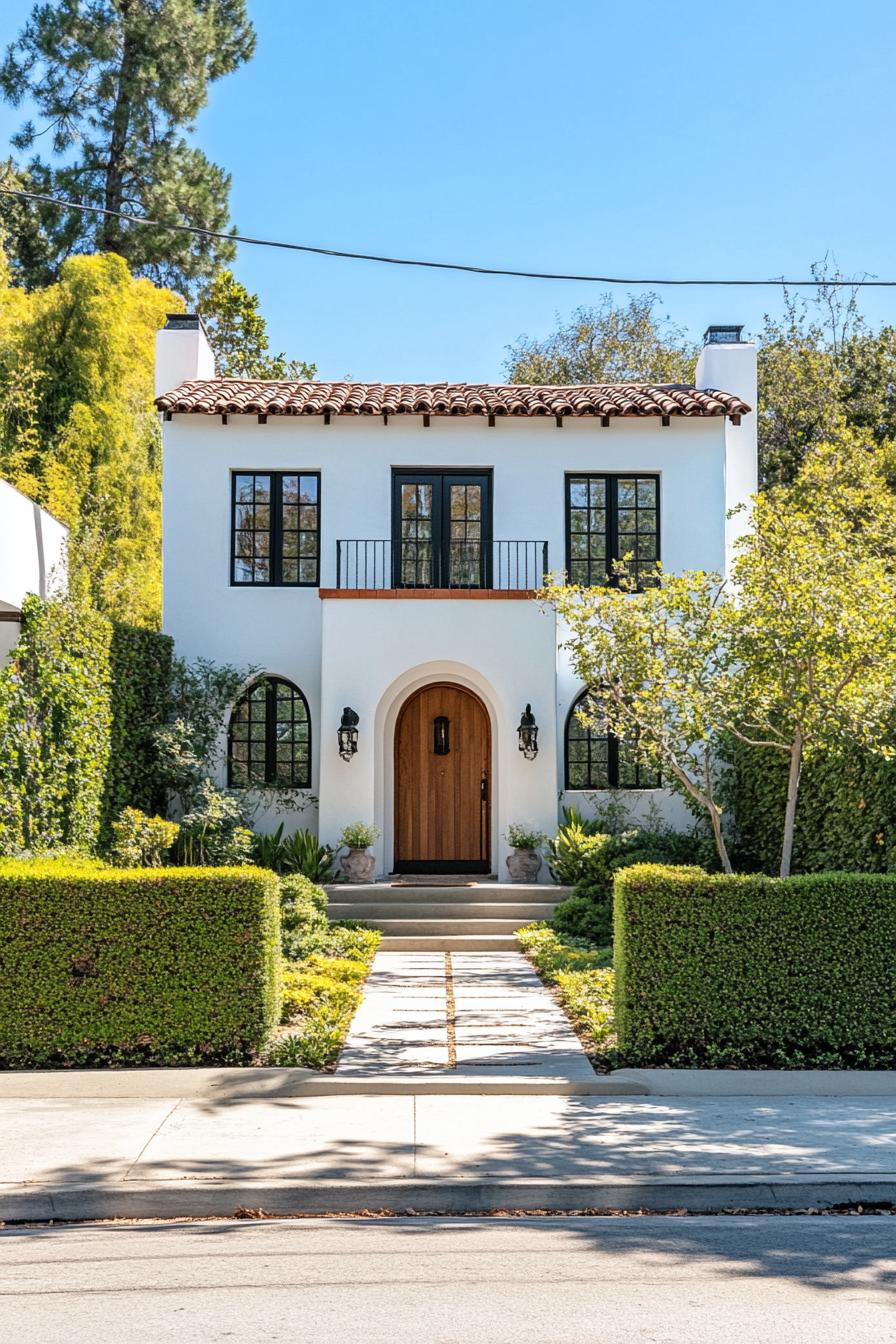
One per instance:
[(612, 760), (270, 733), (276, 532), (612, 497)]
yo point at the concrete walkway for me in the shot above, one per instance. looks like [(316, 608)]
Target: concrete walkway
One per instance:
[(482, 1014)]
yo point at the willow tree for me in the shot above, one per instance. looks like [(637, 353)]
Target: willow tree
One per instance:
[(117, 86)]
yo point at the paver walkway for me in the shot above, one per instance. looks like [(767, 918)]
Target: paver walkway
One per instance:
[(470, 1013)]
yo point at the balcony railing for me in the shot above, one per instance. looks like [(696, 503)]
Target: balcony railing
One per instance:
[(415, 563)]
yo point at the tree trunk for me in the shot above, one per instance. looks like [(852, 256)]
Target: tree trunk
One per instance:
[(111, 236), (793, 788), (716, 818)]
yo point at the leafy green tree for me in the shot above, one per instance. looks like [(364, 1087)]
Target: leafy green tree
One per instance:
[(815, 631), (78, 432), (607, 344), (659, 661), (117, 84), (239, 334)]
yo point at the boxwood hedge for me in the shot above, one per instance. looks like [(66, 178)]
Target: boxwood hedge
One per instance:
[(755, 972), (136, 966)]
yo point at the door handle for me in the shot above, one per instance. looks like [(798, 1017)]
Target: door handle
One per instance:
[(483, 789)]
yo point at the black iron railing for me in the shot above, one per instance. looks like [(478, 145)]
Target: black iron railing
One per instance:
[(416, 563)]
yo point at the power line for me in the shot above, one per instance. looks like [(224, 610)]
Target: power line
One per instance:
[(779, 281)]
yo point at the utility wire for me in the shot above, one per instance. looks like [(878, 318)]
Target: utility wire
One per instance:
[(436, 265)]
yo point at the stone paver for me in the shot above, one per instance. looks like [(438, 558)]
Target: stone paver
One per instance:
[(504, 1023)]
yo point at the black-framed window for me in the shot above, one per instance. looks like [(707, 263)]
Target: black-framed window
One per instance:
[(269, 737), (596, 759), (607, 518), (441, 529), (275, 528)]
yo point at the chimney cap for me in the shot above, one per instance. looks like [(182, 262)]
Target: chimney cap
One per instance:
[(184, 322), (723, 335)]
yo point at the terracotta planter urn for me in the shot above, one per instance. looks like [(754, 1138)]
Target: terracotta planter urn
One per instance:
[(357, 866), (524, 865)]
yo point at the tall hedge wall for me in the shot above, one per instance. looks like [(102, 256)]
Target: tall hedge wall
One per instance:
[(79, 702), (754, 971), (137, 966), (139, 687), (846, 813)]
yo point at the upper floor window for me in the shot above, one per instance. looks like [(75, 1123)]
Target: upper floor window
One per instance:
[(276, 528), (608, 518), (269, 737), (597, 759)]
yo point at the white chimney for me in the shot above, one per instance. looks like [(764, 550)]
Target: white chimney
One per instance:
[(182, 352), (728, 364)]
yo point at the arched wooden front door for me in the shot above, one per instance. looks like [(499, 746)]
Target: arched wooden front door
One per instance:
[(442, 783)]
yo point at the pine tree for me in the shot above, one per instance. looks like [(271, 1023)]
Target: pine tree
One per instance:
[(119, 83)]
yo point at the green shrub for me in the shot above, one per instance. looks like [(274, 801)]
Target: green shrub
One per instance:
[(139, 688), (551, 954), (303, 853), (140, 841), (588, 998), (152, 966), (580, 916), (520, 836), (576, 837), (212, 833), (750, 971), (303, 916), (846, 818)]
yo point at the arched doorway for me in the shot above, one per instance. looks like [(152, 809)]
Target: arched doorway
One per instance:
[(443, 782)]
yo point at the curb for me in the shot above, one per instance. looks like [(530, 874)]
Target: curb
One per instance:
[(184, 1199), (257, 1084), (761, 1082)]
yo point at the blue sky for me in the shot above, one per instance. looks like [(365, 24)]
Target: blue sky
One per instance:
[(710, 138)]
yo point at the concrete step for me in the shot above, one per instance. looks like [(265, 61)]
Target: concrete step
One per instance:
[(463, 942), (466, 910), (445, 927), (493, 893)]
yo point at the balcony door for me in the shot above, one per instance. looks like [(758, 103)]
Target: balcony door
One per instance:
[(441, 529)]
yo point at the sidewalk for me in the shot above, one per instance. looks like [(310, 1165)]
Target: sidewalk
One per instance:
[(168, 1157)]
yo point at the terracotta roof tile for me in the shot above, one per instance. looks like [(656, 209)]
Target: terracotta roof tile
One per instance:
[(243, 396)]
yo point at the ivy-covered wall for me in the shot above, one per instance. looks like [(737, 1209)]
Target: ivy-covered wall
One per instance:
[(78, 703), (846, 812), (139, 684)]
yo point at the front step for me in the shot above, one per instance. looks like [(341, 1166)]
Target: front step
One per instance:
[(463, 942), (373, 911), (492, 893)]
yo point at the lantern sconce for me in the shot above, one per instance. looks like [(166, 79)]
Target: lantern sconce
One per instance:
[(348, 734), (440, 741), (528, 731)]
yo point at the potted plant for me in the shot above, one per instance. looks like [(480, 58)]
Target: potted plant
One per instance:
[(357, 865), (525, 861)]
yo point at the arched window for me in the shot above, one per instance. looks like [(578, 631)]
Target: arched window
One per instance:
[(269, 737), (596, 759)]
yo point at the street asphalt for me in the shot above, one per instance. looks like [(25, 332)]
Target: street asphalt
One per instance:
[(703, 1280)]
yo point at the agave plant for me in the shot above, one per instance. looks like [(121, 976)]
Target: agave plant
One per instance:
[(303, 853)]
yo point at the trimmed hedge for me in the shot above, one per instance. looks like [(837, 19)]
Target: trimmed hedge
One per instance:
[(755, 972), (139, 691), (136, 966), (845, 816)]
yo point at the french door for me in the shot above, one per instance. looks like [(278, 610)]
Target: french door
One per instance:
[(441, 529)]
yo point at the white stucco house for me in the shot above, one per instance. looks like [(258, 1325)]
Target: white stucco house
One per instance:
[(374, 548), (32, 559)]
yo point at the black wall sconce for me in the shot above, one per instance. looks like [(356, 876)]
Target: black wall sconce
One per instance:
[(440, 743), (348, 734), (528, 731)]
